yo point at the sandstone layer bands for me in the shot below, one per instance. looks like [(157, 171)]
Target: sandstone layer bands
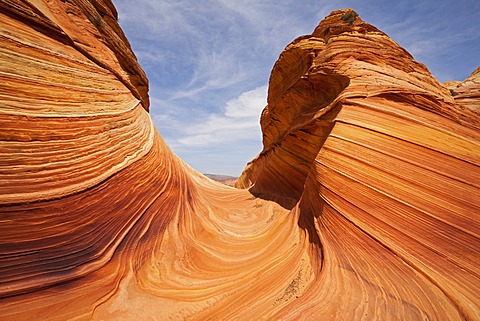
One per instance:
[(362, 204)]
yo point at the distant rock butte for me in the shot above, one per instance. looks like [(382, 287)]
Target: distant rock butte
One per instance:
[(362, 205), (224, 179)]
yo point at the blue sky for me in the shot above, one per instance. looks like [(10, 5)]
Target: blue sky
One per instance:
[(208, 62)]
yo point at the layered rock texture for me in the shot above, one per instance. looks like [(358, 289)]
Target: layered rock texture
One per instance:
[(467, 93), (363, 204)]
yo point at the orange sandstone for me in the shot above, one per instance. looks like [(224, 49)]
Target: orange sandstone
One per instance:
[(363, 203)]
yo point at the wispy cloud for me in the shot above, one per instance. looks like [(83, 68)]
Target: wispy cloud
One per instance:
[(213, 44)]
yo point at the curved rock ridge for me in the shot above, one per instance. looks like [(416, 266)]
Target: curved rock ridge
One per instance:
[(467, 92), (383, 167), (70, 96), (362, 205), (62, 38), (316, 75)]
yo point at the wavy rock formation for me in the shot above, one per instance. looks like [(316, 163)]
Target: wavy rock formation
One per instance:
[(362, 205)]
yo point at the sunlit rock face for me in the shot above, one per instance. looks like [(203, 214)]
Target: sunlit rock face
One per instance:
[(381, 165), (362, 205), (467, 93)]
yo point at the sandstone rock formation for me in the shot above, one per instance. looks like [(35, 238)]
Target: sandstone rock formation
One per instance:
[(467, 93), (362, 205)]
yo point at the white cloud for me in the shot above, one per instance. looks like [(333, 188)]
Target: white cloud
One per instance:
[(247, 104), (239, 121)]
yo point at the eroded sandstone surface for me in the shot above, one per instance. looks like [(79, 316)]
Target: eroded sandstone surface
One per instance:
[(362, 205)]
